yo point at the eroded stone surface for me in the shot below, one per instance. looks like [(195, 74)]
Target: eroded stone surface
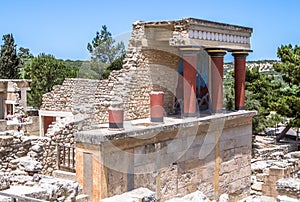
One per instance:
[(35, 154), (137, 195), (41, 187), (193, 197), (289, 186), (275, 169)]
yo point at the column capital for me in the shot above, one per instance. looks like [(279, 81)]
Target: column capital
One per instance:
[(216, 52), (188, 50), (240, 54)]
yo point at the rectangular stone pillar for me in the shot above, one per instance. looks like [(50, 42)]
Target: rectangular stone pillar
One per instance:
[(88, 174), (90, 171), (24, 98)]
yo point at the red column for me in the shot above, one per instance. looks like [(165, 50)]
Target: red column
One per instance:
[(116, 116), (157, 106), (239, 79), (217, 61), (189, 83)]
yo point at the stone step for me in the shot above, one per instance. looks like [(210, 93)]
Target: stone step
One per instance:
[(64, 175), (82, 198)]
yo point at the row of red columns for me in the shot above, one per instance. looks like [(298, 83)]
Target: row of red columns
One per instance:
[(189, 87), (216, 94)]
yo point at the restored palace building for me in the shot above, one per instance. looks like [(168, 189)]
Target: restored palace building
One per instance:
[(160, 122)]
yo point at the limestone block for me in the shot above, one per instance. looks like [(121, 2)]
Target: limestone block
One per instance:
[(137, 195), (174, 146), (168, 177), (261, 177), (257, 186), (289, 186), (193, 197), (4, 182), (283, 198)]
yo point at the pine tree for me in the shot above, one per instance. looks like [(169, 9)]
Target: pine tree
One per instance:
[(9, 60), (106, 54), (45, 71)]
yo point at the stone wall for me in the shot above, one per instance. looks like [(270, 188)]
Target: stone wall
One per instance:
[(15, 149), (288, 188), (46, 188), (144, 70), (31, 126), (60, 98), (272, 163), (180, 33), (74, 95), (211, 156)]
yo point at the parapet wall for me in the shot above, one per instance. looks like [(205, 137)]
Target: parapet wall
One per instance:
[(211, 154)]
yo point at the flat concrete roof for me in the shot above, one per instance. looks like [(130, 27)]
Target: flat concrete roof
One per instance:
[(196, 21), (192, 32), (141, 127)]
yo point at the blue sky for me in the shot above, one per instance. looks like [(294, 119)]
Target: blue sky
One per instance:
[(63, 28)]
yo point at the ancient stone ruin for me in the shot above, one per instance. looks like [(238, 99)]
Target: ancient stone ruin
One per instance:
[(199, 145), (156, 130)]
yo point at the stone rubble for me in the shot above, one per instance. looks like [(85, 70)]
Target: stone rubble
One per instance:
[(40, 187), (146, 195), (289, 187), (24, 158), (193, 197), (137, 195), (275, 170), (35, 154)]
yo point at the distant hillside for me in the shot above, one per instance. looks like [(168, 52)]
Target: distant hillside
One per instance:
[(265, 67)]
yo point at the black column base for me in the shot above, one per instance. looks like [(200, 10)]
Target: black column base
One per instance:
[(218, 111), (161, 119), (240, 108), (116, 125), (190, 114)]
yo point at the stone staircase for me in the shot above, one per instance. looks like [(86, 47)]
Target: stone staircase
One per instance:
[(81, 197)]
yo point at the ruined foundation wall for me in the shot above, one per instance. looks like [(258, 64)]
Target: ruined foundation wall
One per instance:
[(209, 157), (40, 149), (31, 127)]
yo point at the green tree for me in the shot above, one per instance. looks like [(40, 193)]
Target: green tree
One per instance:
[(25, 56), (45, 71), (9, 60), (290, 64), (289, 100), (261, 95), (115, 65), (106, 52)]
